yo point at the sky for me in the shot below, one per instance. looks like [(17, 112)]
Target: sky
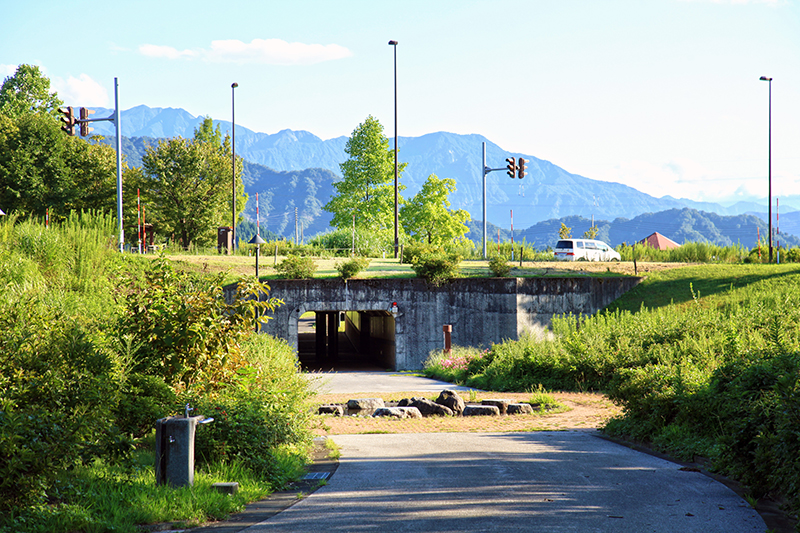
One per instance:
[(661, 95)]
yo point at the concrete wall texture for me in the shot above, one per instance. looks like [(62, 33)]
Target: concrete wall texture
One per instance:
[(482, 311)]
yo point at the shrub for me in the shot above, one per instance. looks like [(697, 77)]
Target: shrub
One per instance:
[(413, 251), (184, 330), (143, 400), (262, 410), (295, 267), (348, 269), (499, 266), (437, 267)]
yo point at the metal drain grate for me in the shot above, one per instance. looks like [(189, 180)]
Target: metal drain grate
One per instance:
[(317, 475)]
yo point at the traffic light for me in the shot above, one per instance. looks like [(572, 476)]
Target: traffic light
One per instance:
[(85, 129), (521, 168), (68, 119), (512, 167)]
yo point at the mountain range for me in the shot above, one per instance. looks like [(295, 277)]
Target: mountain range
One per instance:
[(296, 169)]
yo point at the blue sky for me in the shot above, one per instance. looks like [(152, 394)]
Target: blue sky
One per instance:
[(662, 95)]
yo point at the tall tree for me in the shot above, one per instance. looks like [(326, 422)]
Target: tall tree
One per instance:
[(366, 189), (41, 168), (28, 91), (186, 185), (426, 217)]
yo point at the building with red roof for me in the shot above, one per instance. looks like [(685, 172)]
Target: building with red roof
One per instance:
[(659, 242)]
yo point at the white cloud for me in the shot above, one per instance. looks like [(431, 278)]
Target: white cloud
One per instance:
[(7, 70), (263, 51), (81, 91), (154, 50)]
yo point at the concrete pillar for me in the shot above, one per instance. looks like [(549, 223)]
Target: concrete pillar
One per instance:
[(175, 450), (320, 335), (333, 334)]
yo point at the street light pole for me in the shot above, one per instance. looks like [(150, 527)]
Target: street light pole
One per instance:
[(396, 221), (233, 167), (769, 158)]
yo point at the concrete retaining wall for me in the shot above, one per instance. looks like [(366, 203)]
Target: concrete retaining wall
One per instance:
[(482, 311)]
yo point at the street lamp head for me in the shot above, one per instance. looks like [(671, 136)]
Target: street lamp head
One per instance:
[(393, 43), (764, 78), (234, 85)]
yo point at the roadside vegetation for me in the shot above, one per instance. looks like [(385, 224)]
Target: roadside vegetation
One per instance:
[(95, 346), (704, 360)]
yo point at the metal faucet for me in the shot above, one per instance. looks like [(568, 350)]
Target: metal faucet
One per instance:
[(186, 412)]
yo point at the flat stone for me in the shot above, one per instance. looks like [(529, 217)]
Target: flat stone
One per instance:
[(366, 403), (394, 412), (481, 410), (335, 410), (519, 409), (226, 488), (499, 403)]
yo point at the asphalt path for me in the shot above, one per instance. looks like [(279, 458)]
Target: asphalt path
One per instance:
[(566, 481)]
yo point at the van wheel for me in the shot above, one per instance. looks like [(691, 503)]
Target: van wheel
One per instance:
[(581, 259), (615, 260)]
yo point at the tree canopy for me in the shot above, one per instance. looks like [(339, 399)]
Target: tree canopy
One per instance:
[(426, 217), (41, 168), (366, 189), (186, 185), (26, 92)]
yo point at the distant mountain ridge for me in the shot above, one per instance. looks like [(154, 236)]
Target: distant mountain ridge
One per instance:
[(548, 192)]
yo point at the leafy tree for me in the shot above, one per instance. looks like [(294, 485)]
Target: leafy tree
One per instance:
[(41, 167), (565, 232), (367, 186), (28, 91), (590, 233), (185, 185), (426, 217)]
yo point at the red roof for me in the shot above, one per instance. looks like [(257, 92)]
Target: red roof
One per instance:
[(659, 242)]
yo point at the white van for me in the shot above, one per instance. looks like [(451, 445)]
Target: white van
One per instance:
[(585, 250)]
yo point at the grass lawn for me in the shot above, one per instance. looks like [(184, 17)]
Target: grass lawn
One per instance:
[(241, 265)]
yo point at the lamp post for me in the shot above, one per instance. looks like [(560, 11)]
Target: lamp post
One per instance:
[(769, 158), (396, 231), (234, 85)]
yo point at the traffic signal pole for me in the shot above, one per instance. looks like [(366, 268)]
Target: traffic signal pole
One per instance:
[(70, 120), (513, 170)]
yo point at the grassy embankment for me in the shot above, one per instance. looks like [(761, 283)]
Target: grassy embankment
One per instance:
[(704, 360)]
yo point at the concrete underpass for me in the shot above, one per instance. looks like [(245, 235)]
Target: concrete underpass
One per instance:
[(346, 340)]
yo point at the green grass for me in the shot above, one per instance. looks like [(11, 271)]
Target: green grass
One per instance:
[(107, 497), (685, 284)]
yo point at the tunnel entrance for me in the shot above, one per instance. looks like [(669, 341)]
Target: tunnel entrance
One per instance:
[(346, 340)]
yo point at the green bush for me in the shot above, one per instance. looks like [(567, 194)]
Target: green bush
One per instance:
[(184, 330), (143, 399), (499, 266), (413, 251), (437, 268), (296, 267), (352, 267), (262, 410)]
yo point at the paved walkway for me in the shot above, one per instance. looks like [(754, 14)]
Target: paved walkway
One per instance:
[(547, 481)]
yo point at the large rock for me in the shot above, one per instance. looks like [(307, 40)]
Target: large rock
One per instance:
[(481, 410), (335, 410), (411, 412), (366, 403), (398, 412), (499, 403), (519, 409), (426, 407), (451, 400)]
